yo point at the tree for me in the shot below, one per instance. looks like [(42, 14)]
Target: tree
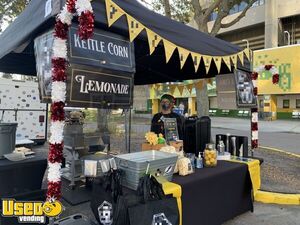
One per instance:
[(9, 9), (200, 12)]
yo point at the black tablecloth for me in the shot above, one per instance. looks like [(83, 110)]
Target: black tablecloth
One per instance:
[(22, 176), (212, 196)]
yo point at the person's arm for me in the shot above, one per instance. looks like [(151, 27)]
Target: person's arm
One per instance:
[(155, 127), (152, 124)]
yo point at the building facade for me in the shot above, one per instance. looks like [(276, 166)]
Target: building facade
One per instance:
[(269, 24)]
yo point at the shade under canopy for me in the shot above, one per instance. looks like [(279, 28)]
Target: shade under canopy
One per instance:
[(17, 52)]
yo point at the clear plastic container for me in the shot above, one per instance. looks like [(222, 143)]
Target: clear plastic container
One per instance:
[(210, 156)]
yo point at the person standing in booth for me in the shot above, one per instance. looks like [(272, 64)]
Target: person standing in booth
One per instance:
[(166, 107)]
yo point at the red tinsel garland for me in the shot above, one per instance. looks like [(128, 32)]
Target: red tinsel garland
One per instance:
[(254, 76), (61, 30), (255, 91), (254, 144), (59, 66), (268, 67), (57, 111), (54, 190), (275, 78), (55, 153), (71, 6), (254, 126), (86, 25)]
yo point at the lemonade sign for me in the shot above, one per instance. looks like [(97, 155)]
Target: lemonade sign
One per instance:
[(30, 211)]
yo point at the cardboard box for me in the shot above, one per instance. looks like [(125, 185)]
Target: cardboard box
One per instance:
[(147, 147)]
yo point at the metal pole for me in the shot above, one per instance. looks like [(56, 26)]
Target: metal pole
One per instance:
[(248, 46), (126, 130), (129, 137), (289, 36)]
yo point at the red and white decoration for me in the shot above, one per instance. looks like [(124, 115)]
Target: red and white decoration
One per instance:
[(82, 9), (254, 115), (254, 111)]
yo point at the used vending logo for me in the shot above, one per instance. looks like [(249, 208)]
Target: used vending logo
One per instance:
[(30, 211)]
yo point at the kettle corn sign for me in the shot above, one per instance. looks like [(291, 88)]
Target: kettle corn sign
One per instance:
[(30, 211)]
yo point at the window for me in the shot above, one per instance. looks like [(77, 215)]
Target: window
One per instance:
[(298, 103), (237, 8), (286, 104), (261, 103)]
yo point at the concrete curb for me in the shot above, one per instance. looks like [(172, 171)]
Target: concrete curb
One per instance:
[(280, 151), (277, 198)]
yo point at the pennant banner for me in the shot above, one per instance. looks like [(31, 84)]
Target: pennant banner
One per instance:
[(114, 12), (172, 89), (169, 49), (209, 81), (153, 40), (218, 62), (207, 62), (180, 89), (227, 62), (247, 53), (241, 57), (134, 27), (199, 85), (196, 60), (190, 88), (234, 60), (183, 55)]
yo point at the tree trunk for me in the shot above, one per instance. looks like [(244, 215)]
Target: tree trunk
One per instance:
[(167, 8), (202, 101), (201, 94), (102, 120)]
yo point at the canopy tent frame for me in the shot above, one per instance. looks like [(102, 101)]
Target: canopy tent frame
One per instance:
[(154, 62)]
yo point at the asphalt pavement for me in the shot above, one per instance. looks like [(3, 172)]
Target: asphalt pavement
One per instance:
[(280, 134)]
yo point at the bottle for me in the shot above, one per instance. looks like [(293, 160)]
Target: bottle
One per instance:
[(221, 148), (199, 162), (234, 150)]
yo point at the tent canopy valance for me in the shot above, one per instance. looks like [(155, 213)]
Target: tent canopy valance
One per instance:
[(165, 50)]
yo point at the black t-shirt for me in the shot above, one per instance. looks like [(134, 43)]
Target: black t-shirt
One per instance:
[(157, 124)]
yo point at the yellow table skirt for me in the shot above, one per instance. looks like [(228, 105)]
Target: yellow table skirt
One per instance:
[(175, 190)]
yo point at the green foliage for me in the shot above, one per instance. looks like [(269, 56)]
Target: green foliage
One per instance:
[(9, 9), (181, 10), (90, 115)]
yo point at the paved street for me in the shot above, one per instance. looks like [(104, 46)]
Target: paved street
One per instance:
[(279, 134)]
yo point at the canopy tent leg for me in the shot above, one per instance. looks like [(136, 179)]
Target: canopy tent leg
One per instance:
[(127, 129)]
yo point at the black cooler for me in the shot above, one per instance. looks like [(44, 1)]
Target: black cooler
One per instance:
[(197, 133)]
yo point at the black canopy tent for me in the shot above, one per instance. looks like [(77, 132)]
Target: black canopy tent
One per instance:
[(17, 48)]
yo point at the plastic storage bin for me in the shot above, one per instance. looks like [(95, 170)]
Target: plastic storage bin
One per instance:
[(135, 165), (7, 138)]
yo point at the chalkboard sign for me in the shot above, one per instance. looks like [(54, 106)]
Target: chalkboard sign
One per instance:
[(104, 50), (171, 130), (244, 89), (99, 89), (100, 72), (226, 91)]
